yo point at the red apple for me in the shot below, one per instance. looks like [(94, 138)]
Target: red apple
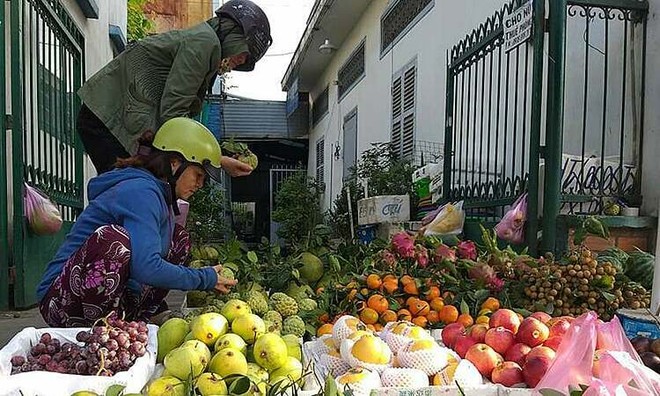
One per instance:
[(535, 368), (462, 344), (542, 351), (478, 332), (517, 353), (532, 332), (559, 327), (508, 374), (553, 342), (542, 316), (484, 358), (505, 318), (450, 333), (500, 339)]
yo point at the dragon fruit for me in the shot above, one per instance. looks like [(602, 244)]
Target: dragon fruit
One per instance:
[(495, 284), (444, 252), (388, 258), (422, 256), (467, 250), (404, 245), (481, 272)]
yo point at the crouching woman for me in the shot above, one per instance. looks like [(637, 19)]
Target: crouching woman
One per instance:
[(125, 252)]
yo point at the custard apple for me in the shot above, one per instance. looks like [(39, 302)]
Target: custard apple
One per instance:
[(227, 273), (273, 327), (232, 296), (284, 304), (257, 302), (293, 325), (307, 304), (196, 298)]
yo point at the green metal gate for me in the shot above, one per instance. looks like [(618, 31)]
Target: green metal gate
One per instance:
[(47, 58), (495, 141)]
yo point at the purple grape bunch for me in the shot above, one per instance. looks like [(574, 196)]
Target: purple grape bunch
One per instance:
[(105, 350)]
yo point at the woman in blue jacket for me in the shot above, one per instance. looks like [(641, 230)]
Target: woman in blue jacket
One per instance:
[(125, 252)]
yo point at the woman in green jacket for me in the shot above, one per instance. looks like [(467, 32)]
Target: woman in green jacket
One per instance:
[(166, 76)]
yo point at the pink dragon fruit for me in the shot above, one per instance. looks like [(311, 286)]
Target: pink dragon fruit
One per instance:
[(404, 245), (422, 256), (467, 250), (444, 252), (388, 258), (495, 284)]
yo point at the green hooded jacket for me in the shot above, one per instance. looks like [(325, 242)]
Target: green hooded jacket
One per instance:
[(158, 78)]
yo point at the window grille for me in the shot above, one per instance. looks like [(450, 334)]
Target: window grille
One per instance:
[(351, 72), (398, 18), (320, 160)]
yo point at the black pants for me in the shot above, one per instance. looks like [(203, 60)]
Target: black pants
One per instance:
[(101, 146)]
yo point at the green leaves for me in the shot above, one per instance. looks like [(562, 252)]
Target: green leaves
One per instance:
[(137, 24)]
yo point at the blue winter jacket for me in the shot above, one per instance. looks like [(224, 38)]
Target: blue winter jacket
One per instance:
[(136, 200)]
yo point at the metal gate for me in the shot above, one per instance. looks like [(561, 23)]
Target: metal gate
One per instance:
[(277, 176), (47, 68), (591, 75)]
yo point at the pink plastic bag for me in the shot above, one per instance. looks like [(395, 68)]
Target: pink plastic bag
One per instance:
[(42, 215), (598, 355), (512, 226)]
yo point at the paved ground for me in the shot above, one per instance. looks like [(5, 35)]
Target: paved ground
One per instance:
[(11, 322)]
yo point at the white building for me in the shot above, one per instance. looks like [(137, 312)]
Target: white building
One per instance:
[(382, 77)]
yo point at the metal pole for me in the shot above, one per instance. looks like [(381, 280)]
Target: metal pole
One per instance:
[(535, 130), (555, 124), (4, 229), (449, 128)]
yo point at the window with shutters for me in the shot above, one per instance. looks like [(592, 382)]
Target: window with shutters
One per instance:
[(320, 106), (320, 159), (404, 92), (399, 18), (351, 72)]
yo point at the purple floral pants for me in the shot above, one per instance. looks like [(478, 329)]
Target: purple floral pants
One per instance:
[(93, 281)]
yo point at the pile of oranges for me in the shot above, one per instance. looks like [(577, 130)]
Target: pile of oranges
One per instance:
[(383, 299)]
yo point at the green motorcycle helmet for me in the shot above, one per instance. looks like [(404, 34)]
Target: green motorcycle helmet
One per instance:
[(193, 141)]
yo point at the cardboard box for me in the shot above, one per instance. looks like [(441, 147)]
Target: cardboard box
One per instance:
[(384, 209)]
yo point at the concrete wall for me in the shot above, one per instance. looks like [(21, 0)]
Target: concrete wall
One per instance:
[(651, 146)]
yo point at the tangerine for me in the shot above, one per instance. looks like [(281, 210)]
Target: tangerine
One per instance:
[(448, 314), (482, 319), (378, 303), (374, 281), (407, 279), (390, 286), (431, 293), (491, 304), (437, 304), (404, 314), (388, 316), (378, 327), (420, 321), (371, 327), (369, 316), (411, 288), (433, 316), (324, 329), (420, 308), (390, 277), (410, 301), (465, 319)]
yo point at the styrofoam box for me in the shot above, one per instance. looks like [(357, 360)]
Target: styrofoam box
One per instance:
[(384, 209), (41, 383)]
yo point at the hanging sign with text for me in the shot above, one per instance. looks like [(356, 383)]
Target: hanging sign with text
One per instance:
[(518, 26)]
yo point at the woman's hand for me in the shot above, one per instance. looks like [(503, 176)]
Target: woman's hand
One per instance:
[(223, 285), (234, 167)]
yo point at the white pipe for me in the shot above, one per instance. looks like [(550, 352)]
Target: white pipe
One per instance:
[(655, 291)]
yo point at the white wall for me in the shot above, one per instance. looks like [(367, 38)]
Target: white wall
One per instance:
[(430, 39)]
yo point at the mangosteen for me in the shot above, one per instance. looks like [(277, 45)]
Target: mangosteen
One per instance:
[(641, 344), (651, 360), (655, 346)]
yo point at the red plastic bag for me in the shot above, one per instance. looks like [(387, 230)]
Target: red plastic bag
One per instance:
[(512, 226), (598, 356), (42, 215)]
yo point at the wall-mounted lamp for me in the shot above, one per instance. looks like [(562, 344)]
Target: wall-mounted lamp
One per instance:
[(327, 47)]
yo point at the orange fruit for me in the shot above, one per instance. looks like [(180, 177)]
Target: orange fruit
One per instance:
[(407, 279), (437, 304), (448, 314), (378, 327), (388, 316), (390, 277), (371, 327), (390, 286), (374, 281), (431, 293), (352, 294), (465, 319), (404, 314), (324, 317), (364, 291), (378, 303), (419, 308), (491, 303), (324, 329), (482, 320), (420, 321), (433, 317), (410, 301), (411, 288), (369, 316)]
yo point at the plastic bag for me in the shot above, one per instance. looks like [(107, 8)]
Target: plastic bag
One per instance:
[(448, 221), (512, 226), (42, 215), (598, 355), (57, 384)]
